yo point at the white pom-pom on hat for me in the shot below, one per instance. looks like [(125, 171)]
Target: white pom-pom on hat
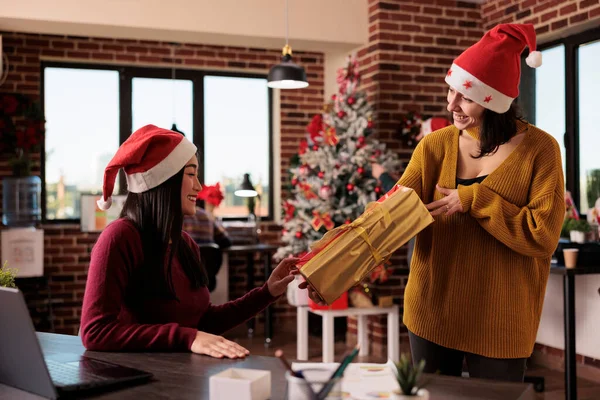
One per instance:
[(104, 204), (534, 59)]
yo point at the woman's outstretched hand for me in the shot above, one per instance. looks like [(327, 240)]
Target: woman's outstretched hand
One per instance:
[(282, 275), (312, 293), (217, 346)]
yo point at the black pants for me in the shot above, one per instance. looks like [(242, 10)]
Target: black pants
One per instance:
[(450, 362)]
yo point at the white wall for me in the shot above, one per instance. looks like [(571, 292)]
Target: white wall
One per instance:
[(587, 311), (338, 25)]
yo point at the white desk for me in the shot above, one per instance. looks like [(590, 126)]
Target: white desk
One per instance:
[(393, 334)]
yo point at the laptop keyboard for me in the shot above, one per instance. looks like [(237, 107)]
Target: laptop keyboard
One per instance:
[(66, 375)]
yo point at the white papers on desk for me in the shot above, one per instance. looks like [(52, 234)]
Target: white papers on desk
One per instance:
[(362, 381)]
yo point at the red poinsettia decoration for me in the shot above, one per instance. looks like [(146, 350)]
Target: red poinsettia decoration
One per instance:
[(211, 194), (21, 130), (315, 128), (289, 210), (303, 146), (348, 77)]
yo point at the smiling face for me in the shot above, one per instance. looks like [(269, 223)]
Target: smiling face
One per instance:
[(465, 112), (190, 186)]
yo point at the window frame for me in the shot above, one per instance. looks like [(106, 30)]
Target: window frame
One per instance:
[(126, 75), (572, 135)]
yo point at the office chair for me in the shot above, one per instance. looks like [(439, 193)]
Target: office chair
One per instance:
[(212, 258)]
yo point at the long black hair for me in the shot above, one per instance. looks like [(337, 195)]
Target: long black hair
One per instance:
[(497, 129), (158, 216)]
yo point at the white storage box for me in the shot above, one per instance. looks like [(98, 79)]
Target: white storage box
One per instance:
[(240, 384)]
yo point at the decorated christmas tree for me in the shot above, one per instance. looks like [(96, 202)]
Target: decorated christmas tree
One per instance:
[(331, 181)]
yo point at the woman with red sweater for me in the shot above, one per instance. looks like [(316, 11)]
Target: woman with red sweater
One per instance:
[(146, 286)]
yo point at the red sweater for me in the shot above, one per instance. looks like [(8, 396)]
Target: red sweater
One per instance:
[(110, 323)]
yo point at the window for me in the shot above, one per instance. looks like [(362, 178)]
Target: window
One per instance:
[(82, 134), (589, 129), (242, 119), (565, 104), (91, 110), (550, 96), (162, 102)]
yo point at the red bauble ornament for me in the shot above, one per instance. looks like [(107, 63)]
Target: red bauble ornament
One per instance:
[(350, 187), (370, 124), (284, 232), (337, 166), (333, 97), (321, 174), (294, 181), (347, 222), (298, 235), (304, 170), (351, 100), (360, 170), (325, 192), (315, 147), (341, 114), (377, 189)]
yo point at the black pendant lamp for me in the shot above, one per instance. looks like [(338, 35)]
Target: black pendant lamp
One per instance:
[(287, 74)]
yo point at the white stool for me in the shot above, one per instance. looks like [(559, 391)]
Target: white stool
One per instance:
[(393, 336)]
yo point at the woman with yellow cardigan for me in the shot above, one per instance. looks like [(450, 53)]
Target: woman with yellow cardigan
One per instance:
[(494, 185)]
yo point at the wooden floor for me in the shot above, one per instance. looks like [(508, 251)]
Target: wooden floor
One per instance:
[(554, 380)]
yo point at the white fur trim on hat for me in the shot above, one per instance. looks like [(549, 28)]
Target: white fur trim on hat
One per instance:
[(482, 94), (169, 166)]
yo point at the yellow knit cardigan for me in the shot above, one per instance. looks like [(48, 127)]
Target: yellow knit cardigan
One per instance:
[(477, 280)]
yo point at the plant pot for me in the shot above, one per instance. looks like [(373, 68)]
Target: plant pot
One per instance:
[(577, 236), (422, 394), (21, 200)]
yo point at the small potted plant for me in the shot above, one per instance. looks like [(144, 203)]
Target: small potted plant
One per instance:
[(408, 377), (7, 276), (576, 229)]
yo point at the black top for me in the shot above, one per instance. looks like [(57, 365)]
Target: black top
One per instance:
[(387, 182), (470, 181)]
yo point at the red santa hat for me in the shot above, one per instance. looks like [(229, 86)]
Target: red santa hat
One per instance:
[(149, 157), (489, 71)]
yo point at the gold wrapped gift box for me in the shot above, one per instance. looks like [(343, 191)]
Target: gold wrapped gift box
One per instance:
[(344, 256)]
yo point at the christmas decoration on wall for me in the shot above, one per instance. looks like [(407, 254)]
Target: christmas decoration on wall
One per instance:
[(330, 177)]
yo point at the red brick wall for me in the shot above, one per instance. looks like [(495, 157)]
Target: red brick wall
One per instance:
[(552, 19), (411, 45), (67, 250), (548, 16)]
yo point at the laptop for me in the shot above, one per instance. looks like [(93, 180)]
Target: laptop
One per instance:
[(24, 366)]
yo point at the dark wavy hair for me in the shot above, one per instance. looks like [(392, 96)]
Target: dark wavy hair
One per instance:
[(158, 216), (497, 129)]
